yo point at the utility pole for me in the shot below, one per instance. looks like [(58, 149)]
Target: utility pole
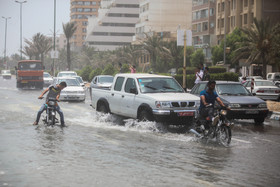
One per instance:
[(5, 47), (21, 26), (54, 33)]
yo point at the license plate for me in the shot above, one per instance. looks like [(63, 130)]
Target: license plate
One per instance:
[(185, 113), (24, 81), (252, 112)]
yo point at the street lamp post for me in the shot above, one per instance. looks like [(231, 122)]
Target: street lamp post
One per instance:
[(5, 47), (21, 2)]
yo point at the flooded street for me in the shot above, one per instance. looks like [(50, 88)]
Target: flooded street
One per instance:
[(105, 150)]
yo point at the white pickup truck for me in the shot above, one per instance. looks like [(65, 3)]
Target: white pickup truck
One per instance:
[(147, 97)]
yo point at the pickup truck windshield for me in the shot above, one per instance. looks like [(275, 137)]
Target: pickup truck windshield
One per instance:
[(159, 85), (30, 66)]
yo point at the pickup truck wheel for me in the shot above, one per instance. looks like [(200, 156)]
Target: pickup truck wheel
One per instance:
[(145, 116), (259, 121), (103, 108)]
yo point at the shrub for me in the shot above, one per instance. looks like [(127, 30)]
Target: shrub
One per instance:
[(108, 70), (94, 73), (85, 72)]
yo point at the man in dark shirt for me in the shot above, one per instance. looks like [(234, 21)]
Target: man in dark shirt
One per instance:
[(207, 101), (206, 75), (54, 93)]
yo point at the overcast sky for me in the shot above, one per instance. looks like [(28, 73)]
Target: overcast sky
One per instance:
[(37, 16)]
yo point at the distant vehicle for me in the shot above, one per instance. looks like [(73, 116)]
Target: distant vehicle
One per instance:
[(73, 92), (6, 74), (275, 77), (30, 74), (264, 89), (80, 80), (102, 81), (242, 103), (47, 79), (67, 74)]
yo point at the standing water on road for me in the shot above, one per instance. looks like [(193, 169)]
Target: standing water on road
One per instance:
[(105, 150)]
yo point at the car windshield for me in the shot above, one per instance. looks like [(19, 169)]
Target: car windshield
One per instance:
[(69, 82), (79, 79), (231, 89), (47, 75), (30, 66), (106, 79), (66, 74), (264, 83), (158, 85), (6, 72)]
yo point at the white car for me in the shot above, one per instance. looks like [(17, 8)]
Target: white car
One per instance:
[(67, 74), (80, 80), (47, 79), (264, 89), (73, 91), (102, 81), (6, 74)]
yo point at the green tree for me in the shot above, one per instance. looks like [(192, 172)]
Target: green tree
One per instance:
[(197, 58), (69, 30), (97, 71), (108, 70), (258, 43)]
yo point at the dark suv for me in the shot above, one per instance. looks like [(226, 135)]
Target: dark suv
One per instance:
[(242, 103)]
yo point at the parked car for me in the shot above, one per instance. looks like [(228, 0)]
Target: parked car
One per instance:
[(242, 103), (80, 80), (67, 74), (73, 92), (48, 79), (264, 89), (102, 81), (6, 74), (274, 77)]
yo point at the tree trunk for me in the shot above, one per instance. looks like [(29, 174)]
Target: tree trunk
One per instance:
[(68, 56), (264, 66)]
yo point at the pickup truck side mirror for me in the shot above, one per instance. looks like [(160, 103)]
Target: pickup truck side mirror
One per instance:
[(133, 90), (254, 94)]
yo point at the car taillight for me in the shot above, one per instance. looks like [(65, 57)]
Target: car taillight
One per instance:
[(277, 91), (260, 91)]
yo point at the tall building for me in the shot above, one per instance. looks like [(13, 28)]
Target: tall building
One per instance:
[(81, 10), (115, 25), (163, 17), (203, 25), (240, 13)]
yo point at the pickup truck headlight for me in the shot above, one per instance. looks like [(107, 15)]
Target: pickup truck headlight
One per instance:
[(163, 104), (234, 105), (262, 105)]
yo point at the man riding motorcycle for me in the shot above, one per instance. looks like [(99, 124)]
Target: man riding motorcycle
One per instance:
[(54, 92), (207, 101)]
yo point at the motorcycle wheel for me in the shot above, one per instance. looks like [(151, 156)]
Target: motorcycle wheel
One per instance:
[(52, 120), (224, 135)]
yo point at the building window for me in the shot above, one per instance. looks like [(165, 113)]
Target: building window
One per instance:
[(87, 9), (219, 7), (245, 19), (212, 25), (87, 3), (223, 6), (84, 30), (204, 13), (212, 11), (205, 26), (245, 3), (222, 22), (252, 17), (84, 37), (85, 23), (79, 10), (252, 2)]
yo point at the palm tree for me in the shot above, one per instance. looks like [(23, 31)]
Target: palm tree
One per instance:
[(69, 29), (258, 42)]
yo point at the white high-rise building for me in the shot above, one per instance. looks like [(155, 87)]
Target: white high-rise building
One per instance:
[(163, 17), (114, 26)]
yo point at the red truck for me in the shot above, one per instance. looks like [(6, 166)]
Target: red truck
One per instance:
[(29, 74)]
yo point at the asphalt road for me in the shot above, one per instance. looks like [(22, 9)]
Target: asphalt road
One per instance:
[(105, 150)]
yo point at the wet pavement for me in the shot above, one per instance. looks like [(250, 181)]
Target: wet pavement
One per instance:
[(105, 150)]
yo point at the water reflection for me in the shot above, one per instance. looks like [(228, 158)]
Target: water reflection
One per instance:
[(211, 162)]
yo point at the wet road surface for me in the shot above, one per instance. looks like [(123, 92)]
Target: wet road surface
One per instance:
[(105, 150)]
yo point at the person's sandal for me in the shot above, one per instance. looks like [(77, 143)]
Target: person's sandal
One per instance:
[(35, 123)]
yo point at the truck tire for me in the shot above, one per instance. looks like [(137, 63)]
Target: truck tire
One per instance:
[(259, 121), (102, 108), (146, 116)]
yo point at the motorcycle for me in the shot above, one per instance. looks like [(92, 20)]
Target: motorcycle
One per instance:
[(219, 128), (50, 118)]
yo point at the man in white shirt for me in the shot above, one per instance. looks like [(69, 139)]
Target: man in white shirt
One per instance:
[(198, 75)]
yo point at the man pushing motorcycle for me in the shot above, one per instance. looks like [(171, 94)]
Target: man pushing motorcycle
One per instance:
[(54, 92), (207, 101)]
